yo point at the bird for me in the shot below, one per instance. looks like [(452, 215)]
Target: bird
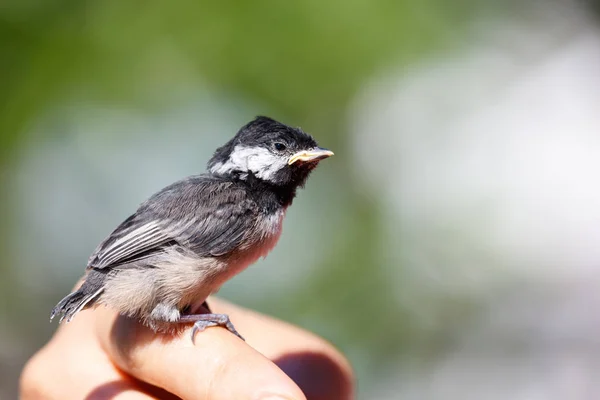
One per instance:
[(185, 241)]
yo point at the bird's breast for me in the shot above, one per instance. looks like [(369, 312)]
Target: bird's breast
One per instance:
[(259, 242), (269, 229), (211, 274)]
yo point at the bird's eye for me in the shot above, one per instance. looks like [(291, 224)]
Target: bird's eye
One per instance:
[(279, 146)]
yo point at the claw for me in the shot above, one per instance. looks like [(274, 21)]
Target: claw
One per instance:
[(195, 330), (203, 321), (231, 329)]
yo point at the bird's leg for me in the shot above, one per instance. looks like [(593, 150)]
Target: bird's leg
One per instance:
[(203, 321)]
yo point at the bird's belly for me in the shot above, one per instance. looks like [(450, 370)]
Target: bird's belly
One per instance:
[(184, 279)]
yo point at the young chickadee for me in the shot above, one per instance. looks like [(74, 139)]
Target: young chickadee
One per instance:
[(185, 241)]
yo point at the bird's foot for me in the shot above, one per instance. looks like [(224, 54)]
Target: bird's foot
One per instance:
[(203, 321)]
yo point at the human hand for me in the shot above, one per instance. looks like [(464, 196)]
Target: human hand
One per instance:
[(100, 355)]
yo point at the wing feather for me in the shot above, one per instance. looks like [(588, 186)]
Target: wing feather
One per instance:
[(201, 213), (138, 241)]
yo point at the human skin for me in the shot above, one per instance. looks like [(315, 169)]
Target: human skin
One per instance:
[(100, 355)]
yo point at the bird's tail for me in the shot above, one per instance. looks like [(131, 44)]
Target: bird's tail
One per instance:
[(86, 295)]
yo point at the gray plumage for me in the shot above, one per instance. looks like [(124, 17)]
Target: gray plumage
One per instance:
[(185, 241)]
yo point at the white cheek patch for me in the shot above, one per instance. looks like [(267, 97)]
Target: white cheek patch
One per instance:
[(260, 161), (265, 164)]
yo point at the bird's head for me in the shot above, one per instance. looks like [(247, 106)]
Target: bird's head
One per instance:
[(269, 151)]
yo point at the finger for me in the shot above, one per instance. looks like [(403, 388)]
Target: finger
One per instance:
[(275, 338), (320, 370), (217, 365), (73, 366)]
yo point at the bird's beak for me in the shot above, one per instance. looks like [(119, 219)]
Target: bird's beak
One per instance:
[(315, 154)]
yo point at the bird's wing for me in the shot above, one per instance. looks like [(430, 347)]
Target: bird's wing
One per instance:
[(202, 214)]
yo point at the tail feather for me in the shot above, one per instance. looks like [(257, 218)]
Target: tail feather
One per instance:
[(74, 302)]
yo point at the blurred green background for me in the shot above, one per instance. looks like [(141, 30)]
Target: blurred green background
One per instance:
[(103, 103)]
